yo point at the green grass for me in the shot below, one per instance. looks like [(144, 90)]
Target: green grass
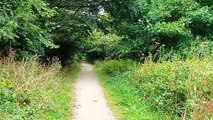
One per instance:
[(123, 98), (29, 90), (62, 99), (159, 90)]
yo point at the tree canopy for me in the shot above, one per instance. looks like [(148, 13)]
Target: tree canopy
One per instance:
[(62, 28)]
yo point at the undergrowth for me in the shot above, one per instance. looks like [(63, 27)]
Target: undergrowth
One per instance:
[(63, 97), (28, 89), (180, 89), (122, 96), (167, 90)]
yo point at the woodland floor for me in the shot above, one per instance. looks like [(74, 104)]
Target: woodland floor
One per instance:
[(90, 102)]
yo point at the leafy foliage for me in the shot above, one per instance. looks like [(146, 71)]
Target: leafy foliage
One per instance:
[(101, 46), (177, 89), (26, 88), (109, 29), (173, 87), (146, 25), (25, 26), (124, 99), (115, 67)]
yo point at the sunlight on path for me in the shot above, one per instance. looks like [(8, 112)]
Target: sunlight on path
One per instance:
[(90, 103)]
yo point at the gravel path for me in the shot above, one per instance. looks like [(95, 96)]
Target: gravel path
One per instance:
[(90, 103)]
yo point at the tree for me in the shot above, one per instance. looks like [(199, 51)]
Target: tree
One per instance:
[(24, 26), (146, 25)]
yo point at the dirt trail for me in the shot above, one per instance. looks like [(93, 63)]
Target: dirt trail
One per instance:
[(90, 103)]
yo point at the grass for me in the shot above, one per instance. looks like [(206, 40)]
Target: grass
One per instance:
[(63, 97), (123, 98), (29, 90), (180, 89), (177, 90), (26, 87)]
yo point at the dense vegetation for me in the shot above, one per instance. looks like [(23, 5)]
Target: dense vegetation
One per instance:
[(170, 40), (135, 29), (159, 91), (102, 29), (29, 90)]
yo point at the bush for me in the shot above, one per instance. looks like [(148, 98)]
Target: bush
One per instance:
[(15, 104), (101, 46), (178, 88), (115, 67), (26, 88)]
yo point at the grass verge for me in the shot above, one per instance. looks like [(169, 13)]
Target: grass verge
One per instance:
[(177, 90), (62, 99), (123, 98)]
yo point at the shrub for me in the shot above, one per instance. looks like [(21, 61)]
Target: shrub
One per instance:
[(26, 88), (101, 46), (14, 104), (115, 67), (178, 88)]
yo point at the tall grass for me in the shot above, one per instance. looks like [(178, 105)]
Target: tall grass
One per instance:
[(26, 88), (116, 77), (179, 88), (63, 96)]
